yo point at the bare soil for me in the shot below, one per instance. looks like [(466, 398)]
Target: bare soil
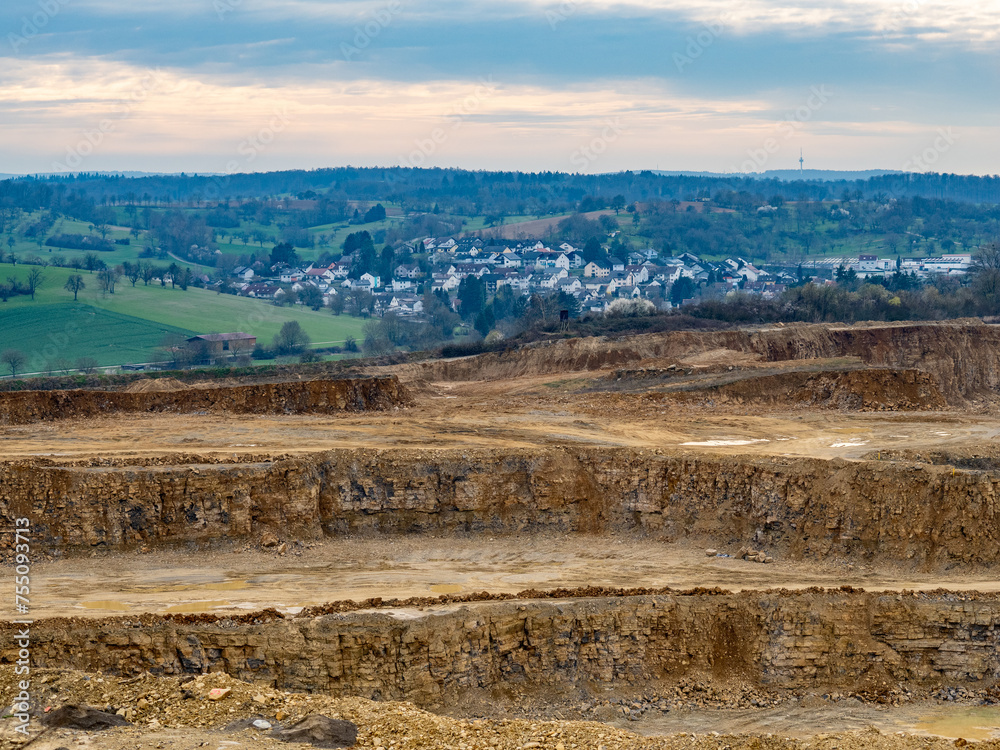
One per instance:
[(176, 713), (249, 578)]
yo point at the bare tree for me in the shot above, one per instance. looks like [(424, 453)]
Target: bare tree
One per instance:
[(132, 271), (108, 277), (13, 359), (239, 349), (35, 280), (985, 273), (987, 256), (174, 346), (291, 339), (87, 365), (74, 284)]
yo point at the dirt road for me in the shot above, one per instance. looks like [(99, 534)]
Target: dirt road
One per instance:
[(359, 568)]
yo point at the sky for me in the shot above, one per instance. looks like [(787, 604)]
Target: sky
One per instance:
[(575, 85)]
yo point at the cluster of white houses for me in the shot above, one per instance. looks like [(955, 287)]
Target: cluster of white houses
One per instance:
[(524, 267), (528, 267)]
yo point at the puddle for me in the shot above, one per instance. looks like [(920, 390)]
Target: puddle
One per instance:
[(226, 586), (195, 607), (714, 443), (108, 604), (446, 588), (850, 445), (970, 724)]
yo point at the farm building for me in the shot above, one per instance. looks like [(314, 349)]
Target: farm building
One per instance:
[(215, 346)]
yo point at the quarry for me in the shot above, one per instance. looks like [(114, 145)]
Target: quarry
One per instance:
[(772, 537)]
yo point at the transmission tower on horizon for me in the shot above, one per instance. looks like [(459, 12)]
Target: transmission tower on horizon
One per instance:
[(801, 162)]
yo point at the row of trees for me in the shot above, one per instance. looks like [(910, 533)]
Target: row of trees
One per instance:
[(29, 285), (14, 361)]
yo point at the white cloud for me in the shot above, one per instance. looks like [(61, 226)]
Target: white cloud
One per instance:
[(955, 19), (178, 121)]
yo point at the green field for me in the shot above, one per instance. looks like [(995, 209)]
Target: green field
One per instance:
[(55, 336), (157, 308), (227, 240)]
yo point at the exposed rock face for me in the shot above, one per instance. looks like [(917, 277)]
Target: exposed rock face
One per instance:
[(800, 508), (814, 639), (312, 396), (963, 356), (872, 389)]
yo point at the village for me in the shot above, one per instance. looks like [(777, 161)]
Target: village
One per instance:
[(439, 265)]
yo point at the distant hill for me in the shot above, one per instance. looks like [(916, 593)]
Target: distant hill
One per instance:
[(499, 192), (133, 174), (825, 175), (792, 175)]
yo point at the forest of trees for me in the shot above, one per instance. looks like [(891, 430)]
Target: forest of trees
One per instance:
[(458, 192), (766, 221)]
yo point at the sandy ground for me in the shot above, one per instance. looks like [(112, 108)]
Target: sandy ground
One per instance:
[(805, 718), (359, 568), (453, 417)]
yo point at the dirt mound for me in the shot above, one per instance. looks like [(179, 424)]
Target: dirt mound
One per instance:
[(302, 397), (854, 390), (221, 383), (156, 385), (963, 355), (184, 719), (729, 357)]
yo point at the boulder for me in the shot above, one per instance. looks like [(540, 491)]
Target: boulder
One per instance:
[(320, 731), (73, 716)]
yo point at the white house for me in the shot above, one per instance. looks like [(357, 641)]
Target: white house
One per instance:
[(549, 281), (407, 271), (572, 285), (317, 274), (291, 275), (639, 274), (668, 274), (451, 282), (510, 259)]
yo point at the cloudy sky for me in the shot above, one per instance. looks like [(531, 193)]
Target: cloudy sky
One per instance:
[(718, 85)]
